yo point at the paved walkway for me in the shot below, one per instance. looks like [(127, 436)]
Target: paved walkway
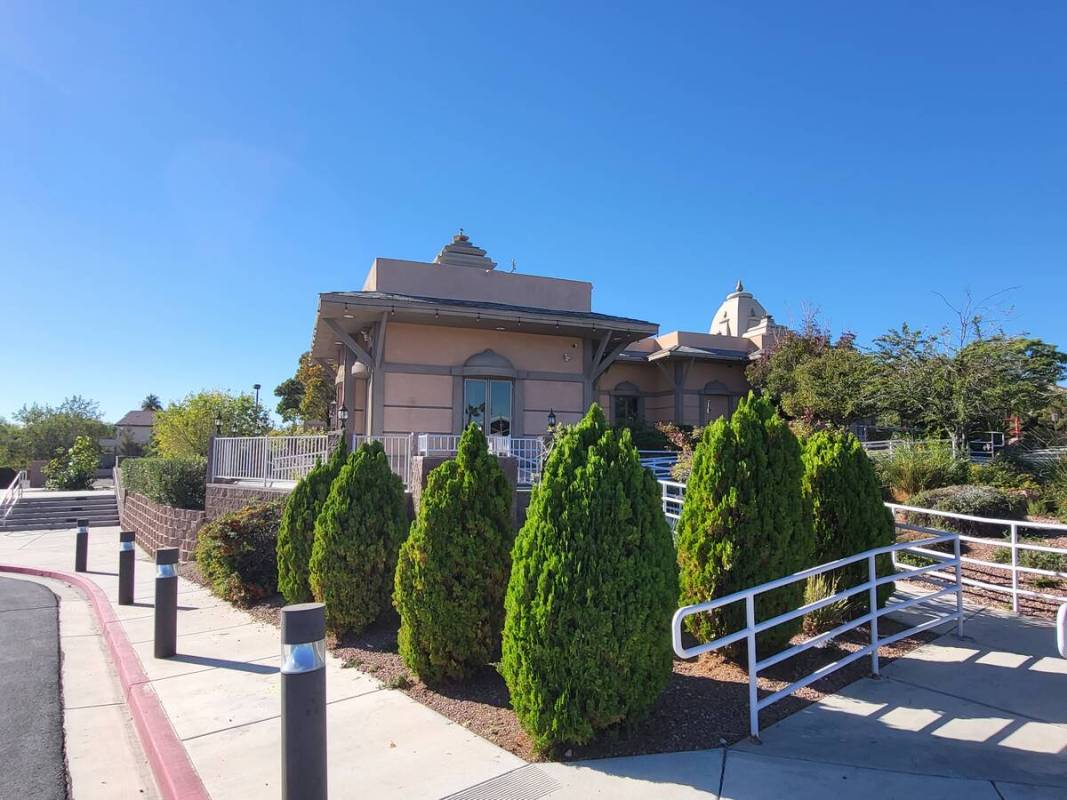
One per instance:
[(951, 720)]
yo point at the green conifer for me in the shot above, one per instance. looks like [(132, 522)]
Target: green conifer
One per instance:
[(454, 566), (593, 585), (357, 536)]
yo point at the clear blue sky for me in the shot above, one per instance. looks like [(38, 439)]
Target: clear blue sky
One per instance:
[(178, 181)]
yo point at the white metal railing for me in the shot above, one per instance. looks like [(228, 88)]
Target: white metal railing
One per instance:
[(672, 496), (12, 494), (1012, 543), (892, 445), (874, 613), (1044, 455), (529, 451), (269, 459), (661, 462), (398, 448)]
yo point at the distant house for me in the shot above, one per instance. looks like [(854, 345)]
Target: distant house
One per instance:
[(133, 431)]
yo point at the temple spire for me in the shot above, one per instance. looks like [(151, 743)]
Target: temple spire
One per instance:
[(461, 253)]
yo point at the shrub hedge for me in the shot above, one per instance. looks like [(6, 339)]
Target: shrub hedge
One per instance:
[(743, 523), (593, 584), (918, 466), (236, 553), (453, 568), (844, 499), (175, 482), (357, 536), (297, 532), (978, 501)]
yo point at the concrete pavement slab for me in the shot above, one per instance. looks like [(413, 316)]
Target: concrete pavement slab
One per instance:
[(379, 745), (670, 776), (1020, 791), (891, 725), (108, 763), (754, 777), (229, 647)]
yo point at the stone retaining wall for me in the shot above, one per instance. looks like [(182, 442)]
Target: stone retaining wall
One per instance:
[(159, 526), (222, 498)]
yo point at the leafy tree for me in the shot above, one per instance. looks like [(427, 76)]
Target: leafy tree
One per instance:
[(844, 499), (44, 429), (357, 536), (74, 468), (151, 402), (306, 396), (592, 589), (185, 429), (297, 532), (925, 383), (743, 522), (454, 566), (813, 379)]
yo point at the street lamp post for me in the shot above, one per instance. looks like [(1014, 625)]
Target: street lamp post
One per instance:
[(257, 387)]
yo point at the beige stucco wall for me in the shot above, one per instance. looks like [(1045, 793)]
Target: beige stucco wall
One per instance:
[(406, 343), (466, 283)]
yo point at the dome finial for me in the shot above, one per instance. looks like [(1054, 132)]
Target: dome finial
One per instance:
[(740, 286)]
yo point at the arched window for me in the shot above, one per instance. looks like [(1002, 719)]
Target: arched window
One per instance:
[(626, 403), (488, 393)]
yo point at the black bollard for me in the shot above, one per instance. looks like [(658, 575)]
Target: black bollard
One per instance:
[(166, 643), (303, 702), (81, 546), (127, 557)]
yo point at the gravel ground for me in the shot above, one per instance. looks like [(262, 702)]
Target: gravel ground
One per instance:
[(1001, 576)]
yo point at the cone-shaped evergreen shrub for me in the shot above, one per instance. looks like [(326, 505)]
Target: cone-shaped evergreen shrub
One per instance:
[(297, 532), (743, 523), (844, 499), (357, 536), (593, 585), (454, 566)]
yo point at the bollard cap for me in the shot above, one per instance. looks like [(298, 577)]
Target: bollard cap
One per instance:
[(127, 536), (82, 523), (167, 555), (303, 622)]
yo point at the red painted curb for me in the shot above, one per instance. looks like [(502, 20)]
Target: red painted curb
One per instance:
[(175, 775)]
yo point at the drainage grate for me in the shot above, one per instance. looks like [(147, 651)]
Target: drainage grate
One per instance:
[(524, 783)]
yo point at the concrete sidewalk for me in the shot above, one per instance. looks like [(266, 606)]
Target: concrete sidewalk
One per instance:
[(924, 730)]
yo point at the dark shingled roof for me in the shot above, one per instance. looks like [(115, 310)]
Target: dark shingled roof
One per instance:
[(416, 300), (138, 418)]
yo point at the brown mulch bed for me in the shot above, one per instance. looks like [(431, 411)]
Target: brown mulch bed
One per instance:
[(704, 705)]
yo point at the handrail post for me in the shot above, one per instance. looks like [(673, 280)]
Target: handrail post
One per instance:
[(266, 458), (872, 597), (753, 697), (956, 551), (1014, 568)]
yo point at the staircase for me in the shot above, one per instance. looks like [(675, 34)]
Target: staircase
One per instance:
[(46, 513)]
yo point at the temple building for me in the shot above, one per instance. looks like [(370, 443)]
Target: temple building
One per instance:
[(427, 347)]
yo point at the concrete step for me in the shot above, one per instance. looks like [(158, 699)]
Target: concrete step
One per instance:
[(56, 524), (64, 515), (72, 502)]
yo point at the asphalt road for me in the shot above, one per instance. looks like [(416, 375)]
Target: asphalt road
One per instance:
[(31, 709)]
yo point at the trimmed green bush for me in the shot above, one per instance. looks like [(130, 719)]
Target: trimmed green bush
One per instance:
[(297, 532), (236, 553), (357, 536), (453, 568), (978, 501), (74, 468), (174, 482), (844, 499), (586, 641), (743, 523)]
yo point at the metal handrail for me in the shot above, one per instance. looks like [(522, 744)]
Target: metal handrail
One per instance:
[(12, 494), (752, 628), (1013, 544)]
